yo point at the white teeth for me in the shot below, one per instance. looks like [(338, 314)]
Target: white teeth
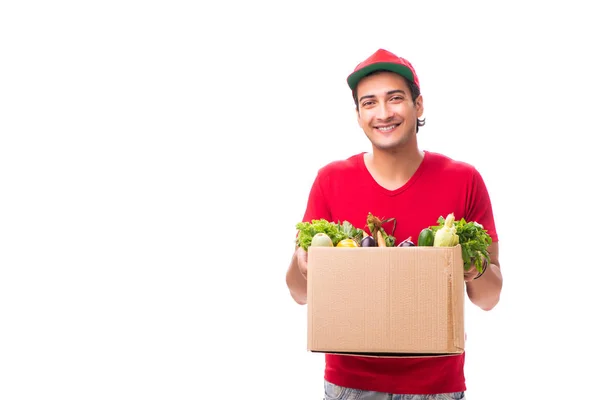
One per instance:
[(387, 128)]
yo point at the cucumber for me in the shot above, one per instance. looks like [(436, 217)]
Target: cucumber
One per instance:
[(426, 237)]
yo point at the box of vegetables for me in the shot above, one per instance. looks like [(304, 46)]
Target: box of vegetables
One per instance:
[(369, 296)]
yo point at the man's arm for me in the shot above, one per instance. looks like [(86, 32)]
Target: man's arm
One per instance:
[(296, 275), (484, 291), (316, 208)]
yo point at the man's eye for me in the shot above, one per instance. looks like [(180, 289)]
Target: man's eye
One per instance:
[(367, 103), (397, 98)]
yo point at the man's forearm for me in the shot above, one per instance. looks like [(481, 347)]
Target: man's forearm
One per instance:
[(485, 290), (296, 282)]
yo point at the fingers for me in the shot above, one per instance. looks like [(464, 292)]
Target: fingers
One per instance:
[(470, 273), (302, 258)]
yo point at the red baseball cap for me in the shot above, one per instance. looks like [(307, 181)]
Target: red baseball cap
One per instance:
[(383, 60)]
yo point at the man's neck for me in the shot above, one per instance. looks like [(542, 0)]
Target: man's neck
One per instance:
[(393, 169)]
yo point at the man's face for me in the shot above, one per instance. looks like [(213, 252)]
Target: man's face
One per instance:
[(386, 111)]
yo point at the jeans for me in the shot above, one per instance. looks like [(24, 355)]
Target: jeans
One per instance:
[(335, 392)]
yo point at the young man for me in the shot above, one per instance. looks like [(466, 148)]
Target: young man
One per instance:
[(399, 180)]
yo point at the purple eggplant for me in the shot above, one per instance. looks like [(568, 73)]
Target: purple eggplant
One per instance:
[(368, 241), (406, 242)]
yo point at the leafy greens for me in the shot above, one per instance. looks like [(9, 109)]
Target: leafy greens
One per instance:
[(473, 239), (336, 231)]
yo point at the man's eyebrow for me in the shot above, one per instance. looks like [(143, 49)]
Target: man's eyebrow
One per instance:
[(371, 96), (397, 91)]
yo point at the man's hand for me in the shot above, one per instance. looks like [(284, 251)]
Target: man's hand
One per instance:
[(296, 275), (472, 272), (302, 260)]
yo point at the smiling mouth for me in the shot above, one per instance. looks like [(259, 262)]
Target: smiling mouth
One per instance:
[(387, 128)]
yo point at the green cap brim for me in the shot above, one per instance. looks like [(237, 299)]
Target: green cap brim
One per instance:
[(355, 77)]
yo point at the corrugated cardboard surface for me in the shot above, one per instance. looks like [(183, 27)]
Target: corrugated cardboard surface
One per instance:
[(386, 301)]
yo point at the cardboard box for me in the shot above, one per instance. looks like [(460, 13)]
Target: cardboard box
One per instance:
[(392, 301)]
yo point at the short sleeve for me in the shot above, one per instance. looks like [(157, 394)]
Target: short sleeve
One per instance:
[(317, 206), (479, 205)]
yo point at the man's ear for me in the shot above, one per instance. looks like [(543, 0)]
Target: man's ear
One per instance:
[(419, 106)]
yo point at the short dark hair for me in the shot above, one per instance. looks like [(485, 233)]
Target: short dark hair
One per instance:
[(414, 93)]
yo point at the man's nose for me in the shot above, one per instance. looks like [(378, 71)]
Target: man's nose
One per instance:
[(384, 112)]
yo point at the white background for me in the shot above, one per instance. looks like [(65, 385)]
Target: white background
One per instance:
[(156, 156)]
